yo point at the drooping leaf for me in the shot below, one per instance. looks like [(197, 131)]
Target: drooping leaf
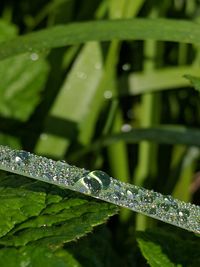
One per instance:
[(127, 29)]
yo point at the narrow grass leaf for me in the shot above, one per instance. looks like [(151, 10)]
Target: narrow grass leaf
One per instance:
[(127, 29)]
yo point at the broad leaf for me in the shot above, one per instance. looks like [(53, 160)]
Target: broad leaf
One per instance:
[(45, 214), (167, 248), (36, 256)]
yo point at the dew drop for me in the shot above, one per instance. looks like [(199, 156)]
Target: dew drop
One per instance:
[(164, 206), (126, 67), (21, 158), (92, 184), (146, 199), (117, 196), (102, 177), (126, 128), (169, 200), (108, 94), (152, 210), (183, 214), (129, 194), (34, 56)]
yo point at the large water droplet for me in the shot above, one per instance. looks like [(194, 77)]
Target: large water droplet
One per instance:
[(92, 184), (21, 157), (169, 200), (102, 177)]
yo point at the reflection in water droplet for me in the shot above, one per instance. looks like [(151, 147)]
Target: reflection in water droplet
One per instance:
[(34, 56), (108, 94), (92, 184), (102, 177)]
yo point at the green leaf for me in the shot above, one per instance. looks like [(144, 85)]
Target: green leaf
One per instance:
[(159, 79), (36, 257), (17, 205), (73, 103), (22, 79), (127, 29), (169, 248), (163, 135), (153, 254), (195, 81), (7, 30), (45, 214)]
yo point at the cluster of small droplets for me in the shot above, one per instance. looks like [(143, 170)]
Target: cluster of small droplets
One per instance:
[(99, 185)]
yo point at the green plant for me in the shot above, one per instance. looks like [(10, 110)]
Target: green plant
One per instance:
[(72, 89)]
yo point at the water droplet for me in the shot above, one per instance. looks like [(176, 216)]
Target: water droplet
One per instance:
[(146, 198), (108, 94), (129, 194), (126, 67), (169, 200), (48, 175), (152, 210), (34, 56), (21, 157), (117, 195), (126, 128), (164, 206), (183, 214), (102, 177), (92, 184)]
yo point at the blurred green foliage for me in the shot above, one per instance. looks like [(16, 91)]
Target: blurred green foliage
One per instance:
[(103, 84)]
